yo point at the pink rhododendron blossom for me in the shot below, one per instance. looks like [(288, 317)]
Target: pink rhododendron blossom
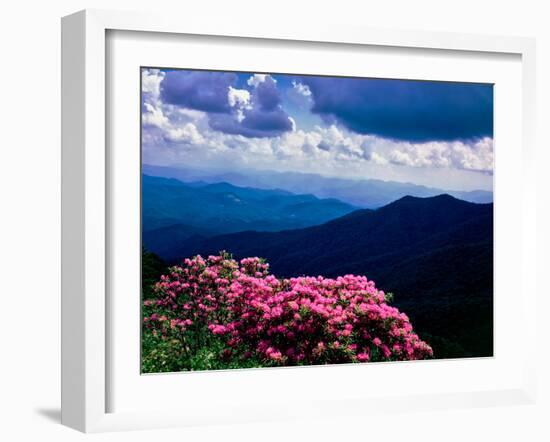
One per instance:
[(255, 316)]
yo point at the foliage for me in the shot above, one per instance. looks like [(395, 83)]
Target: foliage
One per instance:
[(152, 268), (219, 313)]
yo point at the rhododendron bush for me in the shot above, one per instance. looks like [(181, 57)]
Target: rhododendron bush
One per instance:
[(218, 313)]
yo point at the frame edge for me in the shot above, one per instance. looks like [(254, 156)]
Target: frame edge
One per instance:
[(73, 362), (83, 374)]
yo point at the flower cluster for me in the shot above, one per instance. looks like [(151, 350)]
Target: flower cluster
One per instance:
[(296, 321)]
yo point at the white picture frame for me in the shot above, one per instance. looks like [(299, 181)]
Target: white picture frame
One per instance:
[(85, 210)]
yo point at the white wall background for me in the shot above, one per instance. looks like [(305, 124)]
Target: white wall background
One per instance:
[(30, 215)]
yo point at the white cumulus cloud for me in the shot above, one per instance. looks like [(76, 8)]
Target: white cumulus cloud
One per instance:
[(474, 156), (238, 97), (302, 89), (187, 133), (150, 81), (256, 79)]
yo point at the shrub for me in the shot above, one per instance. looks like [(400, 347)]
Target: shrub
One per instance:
[(219, 313)]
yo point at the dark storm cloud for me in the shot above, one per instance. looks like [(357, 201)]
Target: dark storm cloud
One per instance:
[(203, 91), (256, 123), (267, 95), (208, 92), (265, 117), (416, 111)]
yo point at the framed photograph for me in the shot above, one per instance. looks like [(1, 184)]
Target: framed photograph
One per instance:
[(264, 223)]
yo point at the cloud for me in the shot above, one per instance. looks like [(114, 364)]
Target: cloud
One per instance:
[(292, 123), (187, 133), (256, 79), (266, 95), (253, 123), (477, 156), (331, 151), (255, 114), (405, 110), (474, 156), (299, 97), (154, 116), (258, 114), (165, 122), (150, 81), (401, 158), (254, 130), (301, 88), (198, 90), (238, 97)]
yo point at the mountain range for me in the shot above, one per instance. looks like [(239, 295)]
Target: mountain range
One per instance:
[(435, 254), (366, 193), (173, 211)]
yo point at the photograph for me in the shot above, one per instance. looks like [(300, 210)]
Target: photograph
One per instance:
[(304, 219)]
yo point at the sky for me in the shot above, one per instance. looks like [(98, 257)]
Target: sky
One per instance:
[(438, 134)]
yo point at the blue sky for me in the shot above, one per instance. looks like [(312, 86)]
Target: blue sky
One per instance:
[(438, 134)]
